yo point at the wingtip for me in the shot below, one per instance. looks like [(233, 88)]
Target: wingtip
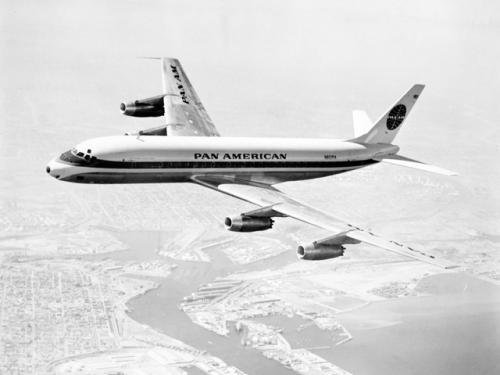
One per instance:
[(157, 57), (447, 172), (418, 88)]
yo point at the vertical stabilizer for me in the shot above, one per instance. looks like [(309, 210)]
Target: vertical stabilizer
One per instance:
[(387, 126)]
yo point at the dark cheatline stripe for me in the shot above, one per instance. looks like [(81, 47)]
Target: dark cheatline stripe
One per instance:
[(98, 163)]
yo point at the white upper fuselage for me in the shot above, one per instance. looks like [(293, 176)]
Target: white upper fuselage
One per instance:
[(135, 159)]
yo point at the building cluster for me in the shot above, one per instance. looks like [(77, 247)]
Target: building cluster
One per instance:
[(395, 289), (154, 268), (50, 312), (273, 345), (304, 362), (220, 304)]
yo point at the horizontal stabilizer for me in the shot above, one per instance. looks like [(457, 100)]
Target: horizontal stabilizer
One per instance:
[(361, 123), (411, 163)]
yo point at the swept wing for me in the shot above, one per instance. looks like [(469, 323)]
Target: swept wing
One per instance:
[(185, 114), (277, 203)]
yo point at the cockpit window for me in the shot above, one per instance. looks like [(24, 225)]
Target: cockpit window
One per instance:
[(70, 157), (77, 157), (81, 154), (77, 153)]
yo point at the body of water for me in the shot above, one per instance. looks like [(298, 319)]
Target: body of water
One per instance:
[(453, 330), (456, 330), (158, 308)]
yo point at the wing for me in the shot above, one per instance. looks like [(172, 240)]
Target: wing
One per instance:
[(185, 115), (275, 203)]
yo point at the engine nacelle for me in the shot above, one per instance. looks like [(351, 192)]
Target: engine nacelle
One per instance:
[(248, 224), (319, 251), (149, 107)]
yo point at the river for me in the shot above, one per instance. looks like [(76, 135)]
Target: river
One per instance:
[(158, 308), (453, 330)]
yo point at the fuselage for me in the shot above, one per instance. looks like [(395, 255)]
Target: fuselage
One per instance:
[(147, 159)]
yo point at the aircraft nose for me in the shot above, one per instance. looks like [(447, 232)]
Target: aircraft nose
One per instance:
[(54, 169)]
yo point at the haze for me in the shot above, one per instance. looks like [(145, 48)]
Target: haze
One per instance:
[(261, 68)]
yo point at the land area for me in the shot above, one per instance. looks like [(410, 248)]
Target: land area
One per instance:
[(144, 279), (131, 296)]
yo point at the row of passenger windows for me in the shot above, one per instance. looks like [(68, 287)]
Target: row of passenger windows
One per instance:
[(214, 164), (91, 161)]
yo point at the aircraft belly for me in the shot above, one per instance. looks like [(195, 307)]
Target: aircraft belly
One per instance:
[(263, 175), (127, 176), (271, 177)]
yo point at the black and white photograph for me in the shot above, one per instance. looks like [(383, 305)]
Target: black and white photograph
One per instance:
[(229, 187)]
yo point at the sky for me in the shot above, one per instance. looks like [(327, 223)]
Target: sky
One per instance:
[(267, 68), (262, 68)]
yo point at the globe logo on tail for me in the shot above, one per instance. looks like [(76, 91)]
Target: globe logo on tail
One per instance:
[(396, 116)]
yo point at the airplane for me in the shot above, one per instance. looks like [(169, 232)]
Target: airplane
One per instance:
[(188, 148)]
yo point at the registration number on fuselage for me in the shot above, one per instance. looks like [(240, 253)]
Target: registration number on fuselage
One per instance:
[(330, 156)]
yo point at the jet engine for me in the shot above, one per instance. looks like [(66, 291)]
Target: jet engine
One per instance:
[(317, 251), (149, 107), (248, 223)]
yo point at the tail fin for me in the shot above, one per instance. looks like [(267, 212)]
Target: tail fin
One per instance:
[(387, 126)]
